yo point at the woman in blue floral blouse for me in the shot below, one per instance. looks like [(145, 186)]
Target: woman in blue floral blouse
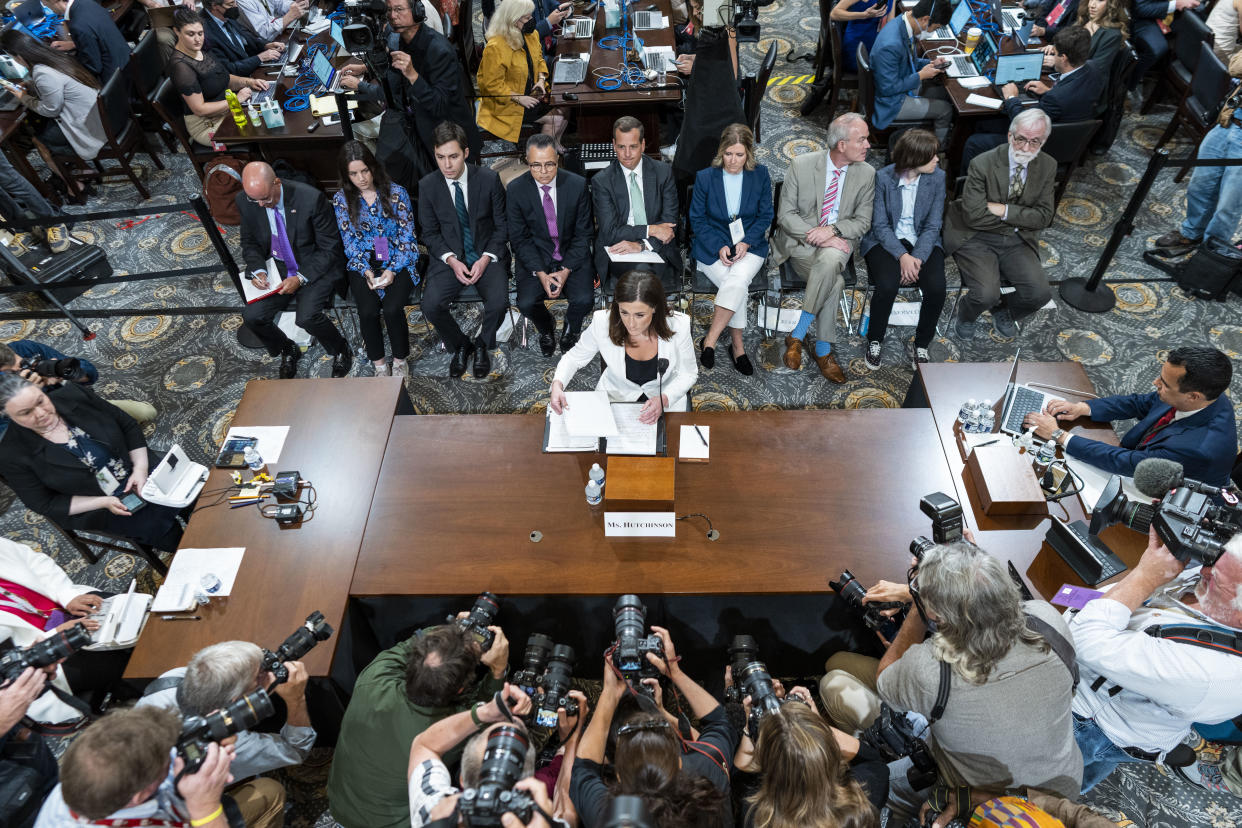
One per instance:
[(377, 226)]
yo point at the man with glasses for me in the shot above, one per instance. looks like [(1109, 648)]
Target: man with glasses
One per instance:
[(992, 229), (294, 225), (550, 230)]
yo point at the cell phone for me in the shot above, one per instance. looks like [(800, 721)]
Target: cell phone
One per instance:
[(132, 502)]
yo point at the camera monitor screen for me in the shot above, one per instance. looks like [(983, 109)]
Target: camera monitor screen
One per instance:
[(1019, 68)]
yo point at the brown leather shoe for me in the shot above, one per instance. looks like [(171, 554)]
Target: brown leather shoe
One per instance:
[(793, 353), (829, 367)]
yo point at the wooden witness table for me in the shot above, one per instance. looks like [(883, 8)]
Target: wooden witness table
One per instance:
[(337, 433)]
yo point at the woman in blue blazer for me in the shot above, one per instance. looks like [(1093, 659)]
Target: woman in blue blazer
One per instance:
[(903, 245), (730, 215)]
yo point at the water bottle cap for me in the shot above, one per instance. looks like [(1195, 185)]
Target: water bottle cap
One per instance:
[(595, 466)]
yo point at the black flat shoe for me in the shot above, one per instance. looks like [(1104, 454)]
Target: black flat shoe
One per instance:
[(742, 363), (482, 360), (708, 357), (341, 364), (461, 358), (547, 344), (289, 361)]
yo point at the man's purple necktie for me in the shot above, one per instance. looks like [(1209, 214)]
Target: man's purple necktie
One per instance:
[(549, 213), (280, 244)]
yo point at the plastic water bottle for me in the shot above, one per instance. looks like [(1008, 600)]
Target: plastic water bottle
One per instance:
[(594, 494), (255, 118), (253, 459), (208, 586), (1047, 453), (235, 107), (967, 413), (986, 418), (597, 474)]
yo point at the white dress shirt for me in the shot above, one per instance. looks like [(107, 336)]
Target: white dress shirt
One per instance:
[(904, 227)]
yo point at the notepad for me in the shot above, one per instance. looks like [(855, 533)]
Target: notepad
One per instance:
[(253, 292), (981, 100), (692, 448), (641, 256), (186, 571)]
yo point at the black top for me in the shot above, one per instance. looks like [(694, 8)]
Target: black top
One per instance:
[(208, 76), (640, 371)]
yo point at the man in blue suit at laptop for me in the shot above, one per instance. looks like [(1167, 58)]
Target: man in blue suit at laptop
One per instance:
[(1187, 419), (900, 75)]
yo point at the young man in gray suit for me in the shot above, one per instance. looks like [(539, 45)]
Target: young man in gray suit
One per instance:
[(992, 230), (826, 206)]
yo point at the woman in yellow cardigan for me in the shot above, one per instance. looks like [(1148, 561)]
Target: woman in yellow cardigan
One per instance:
[(513, 76)]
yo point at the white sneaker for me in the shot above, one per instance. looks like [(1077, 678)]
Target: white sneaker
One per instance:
[(381, 369), (400, 368)]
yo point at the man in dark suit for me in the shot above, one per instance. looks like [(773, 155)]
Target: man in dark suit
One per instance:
[(1072, 98), (1187, 419), (461, 215), (635, 203), (234, 44), (1150, 41), (992, 230), (293, 224), (97, 43), (550, 229)]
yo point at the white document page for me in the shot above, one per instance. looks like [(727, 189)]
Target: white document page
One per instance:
[(691, 446), (271, 440), (254, 293), (633, 437), (559, 438), (640, 256), (186, 572), (980, 100), (589, 414)]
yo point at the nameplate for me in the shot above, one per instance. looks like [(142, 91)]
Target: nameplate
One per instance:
[(640, 524)]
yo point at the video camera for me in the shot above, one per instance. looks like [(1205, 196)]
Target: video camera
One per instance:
[(43, 653), (1194, 520), (746, 19), (629, 651), (66, 368), (751, 678), (504, 759), (363, 30), (197, 732), (301, 642), (482, 615)]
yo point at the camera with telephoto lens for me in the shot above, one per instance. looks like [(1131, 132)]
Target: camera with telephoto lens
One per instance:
[(301, 642), (628, 811), (504, 761), (1194, 520), (629, 652), (197, 732), (946, 518), (56, 647), (751, 678), (482, 615), (893, 737), (363, 30), (534, 662), (65, 368), (853, 592), (555, 682)]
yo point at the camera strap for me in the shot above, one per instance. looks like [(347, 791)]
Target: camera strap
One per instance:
[(1211, 638), (62, 728)]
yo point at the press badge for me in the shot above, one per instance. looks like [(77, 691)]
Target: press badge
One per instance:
[(736, 231), (107, 481)]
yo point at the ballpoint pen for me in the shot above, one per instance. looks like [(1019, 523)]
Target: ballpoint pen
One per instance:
[(701, 437)]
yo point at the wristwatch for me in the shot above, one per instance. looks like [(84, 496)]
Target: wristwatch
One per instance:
[(835, 231), (1057, 435)]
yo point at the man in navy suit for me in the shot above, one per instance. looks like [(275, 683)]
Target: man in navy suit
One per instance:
[(1188, 419), (1149, 39), (899, 75), (1072, 98), (97, 43), (234, 44), (550, 229)]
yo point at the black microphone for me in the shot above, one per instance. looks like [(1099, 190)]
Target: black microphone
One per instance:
[(661, 367)]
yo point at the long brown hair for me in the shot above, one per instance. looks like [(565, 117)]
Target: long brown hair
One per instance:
[(32, 52), (736, 134), (639, 286), (803, 778), (648, 762), (1116, 16), (357, 151)]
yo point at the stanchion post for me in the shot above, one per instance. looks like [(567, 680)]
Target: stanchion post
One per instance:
[(342, 110), (244, 337)]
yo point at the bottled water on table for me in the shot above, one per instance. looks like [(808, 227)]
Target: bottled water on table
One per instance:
[(593, 493), (966, 413)]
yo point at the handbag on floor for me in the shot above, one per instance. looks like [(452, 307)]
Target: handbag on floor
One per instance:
[(1214, 269)]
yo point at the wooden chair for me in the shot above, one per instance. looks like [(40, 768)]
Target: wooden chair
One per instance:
[(167, 103), (145, 69), (1067, 145), (125, 139), (1189, 32), (1197, 110), (755, 87)]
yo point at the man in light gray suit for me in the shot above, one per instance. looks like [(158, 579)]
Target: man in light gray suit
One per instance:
[(826, 206), (992, 230)]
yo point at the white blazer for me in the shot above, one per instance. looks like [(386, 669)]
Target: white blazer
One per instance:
[(683, 368), (34, 570)]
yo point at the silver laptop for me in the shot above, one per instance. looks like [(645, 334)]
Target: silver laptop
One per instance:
[(570, 69), (1020, 400), (648, 20), (578, 28), (658, 61)]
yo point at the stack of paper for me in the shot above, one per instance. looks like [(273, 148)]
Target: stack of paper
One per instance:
[(980, 100), (185, 575), (633, 437)]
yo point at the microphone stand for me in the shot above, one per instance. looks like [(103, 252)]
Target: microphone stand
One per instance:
[(661, 367)]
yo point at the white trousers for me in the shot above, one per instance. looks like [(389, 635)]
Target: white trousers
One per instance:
[(731, 283)]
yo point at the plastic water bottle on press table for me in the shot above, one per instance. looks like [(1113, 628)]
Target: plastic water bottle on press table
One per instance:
[(597, 474), (1047, 453), (967, 413), (985, 417), (594, 494), (253, 459)]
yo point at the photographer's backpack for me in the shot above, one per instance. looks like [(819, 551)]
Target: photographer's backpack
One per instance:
[(1213, 270)]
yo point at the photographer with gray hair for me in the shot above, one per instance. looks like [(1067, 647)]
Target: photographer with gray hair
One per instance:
[(219, 675), (1004, 723)]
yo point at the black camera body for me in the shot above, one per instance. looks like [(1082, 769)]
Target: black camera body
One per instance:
[(363, 29), (482, 615), (853, 592), (504, 759), (534, 663), (629, 652), (301, 642), (751, 678), (197, 732), (893, 738), (66, 368), (555, 681), (946, 517), (43, 653)]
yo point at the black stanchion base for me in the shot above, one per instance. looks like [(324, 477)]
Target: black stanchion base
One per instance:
[(1076, 295), (247, 339)]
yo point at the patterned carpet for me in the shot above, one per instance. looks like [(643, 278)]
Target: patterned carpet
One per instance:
[(192, 369)]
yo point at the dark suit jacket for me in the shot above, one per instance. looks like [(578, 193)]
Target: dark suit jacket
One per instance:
[(312, 230), (709, 214), (1204, 443), (437, 218), (988, 180), (1147, 11), (611, 194), (1068, 18), (438, 95), (1105, 44), (1073, 98), (240, 60), (45, 475), (528, 228), (98, 43), (928, 214)]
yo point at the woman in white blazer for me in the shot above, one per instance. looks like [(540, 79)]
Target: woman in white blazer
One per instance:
[(22, 566), (634, 337)]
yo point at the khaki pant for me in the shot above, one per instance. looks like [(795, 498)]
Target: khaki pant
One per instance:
[(140, 411), (261, 802), (200, 129), (823, 271), (848, 691)]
